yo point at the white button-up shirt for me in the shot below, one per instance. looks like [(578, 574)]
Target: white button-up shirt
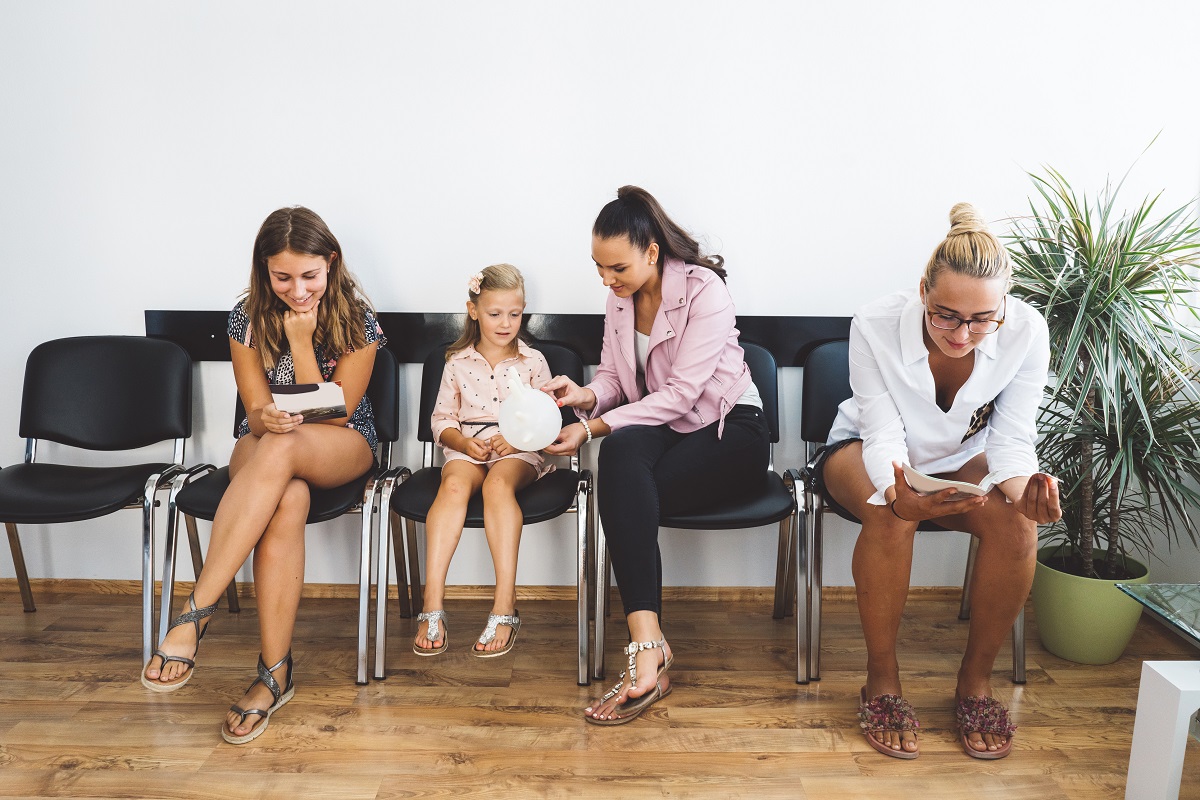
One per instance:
[(894, 408)]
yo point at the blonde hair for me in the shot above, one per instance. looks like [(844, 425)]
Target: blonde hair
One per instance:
[(969, 249), (497, 277)]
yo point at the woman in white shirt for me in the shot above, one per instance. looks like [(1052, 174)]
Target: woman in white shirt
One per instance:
[(948, 380)]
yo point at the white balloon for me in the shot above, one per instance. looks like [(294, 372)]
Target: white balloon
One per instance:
[(529, 418)]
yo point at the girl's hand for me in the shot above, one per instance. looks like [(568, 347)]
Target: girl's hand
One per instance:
[(277, 421), (1039, 501), (567, 392), (500, 446), (569, 439), (300, 326), (916, 507), (477, 449)]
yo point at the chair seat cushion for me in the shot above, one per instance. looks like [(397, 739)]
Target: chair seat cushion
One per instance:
[(544, 499), (46, 493), (773, 503), (201, 497)]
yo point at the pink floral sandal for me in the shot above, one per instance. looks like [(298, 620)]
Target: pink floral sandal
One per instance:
[(983, 715), (886, 712)]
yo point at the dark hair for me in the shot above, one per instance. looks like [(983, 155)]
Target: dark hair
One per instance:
[(339, 317), (636, 214)]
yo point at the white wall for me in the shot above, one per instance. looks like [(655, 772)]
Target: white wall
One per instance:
[(818, 146)]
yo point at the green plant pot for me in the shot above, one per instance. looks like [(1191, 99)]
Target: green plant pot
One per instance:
[(1085, 620)]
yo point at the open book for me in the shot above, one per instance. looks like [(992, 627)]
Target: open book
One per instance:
[(316, 401), (927, 484)]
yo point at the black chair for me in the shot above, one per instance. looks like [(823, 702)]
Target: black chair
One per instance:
[(408, 497), (197, 493), (826, 383), (98, 393), (776, 502)]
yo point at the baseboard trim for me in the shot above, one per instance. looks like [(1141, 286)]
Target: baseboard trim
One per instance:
[(720, 594)]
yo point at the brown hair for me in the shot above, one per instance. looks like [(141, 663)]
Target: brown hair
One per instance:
[(969, 249), (497, 277), (340, 324), (636, 214)]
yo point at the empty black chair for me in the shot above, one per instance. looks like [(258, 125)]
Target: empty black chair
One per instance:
[(776, 502), (198, 492), (409, 498), (826, 383), (98, 393)]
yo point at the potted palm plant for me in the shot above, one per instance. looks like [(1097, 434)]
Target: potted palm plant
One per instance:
[(1121, 421)]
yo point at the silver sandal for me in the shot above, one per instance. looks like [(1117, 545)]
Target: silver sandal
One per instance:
[(512, 620), (628, 712), (435, 619), (281, 696)]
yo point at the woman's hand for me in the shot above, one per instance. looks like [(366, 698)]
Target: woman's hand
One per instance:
[(276, 421), (300, 326), (500, 446), (569, 439), (476, 448), (915, 507), (567, 392), (1039, 501)]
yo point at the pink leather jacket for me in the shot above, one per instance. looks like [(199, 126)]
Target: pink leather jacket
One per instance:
[(695, 370)]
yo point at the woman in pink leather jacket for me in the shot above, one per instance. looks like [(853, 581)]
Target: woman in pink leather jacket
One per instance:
[(681, 416)]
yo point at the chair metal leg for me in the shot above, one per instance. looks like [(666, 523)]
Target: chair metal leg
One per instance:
[(783, 572), (403, 580), (1018, 647), (803, 616), (18, 557), (582, 603), (386, 533), (364, 576), (148, 497), (964, 607), (169, 548), (815, 545), (601, 585), (414, 564)]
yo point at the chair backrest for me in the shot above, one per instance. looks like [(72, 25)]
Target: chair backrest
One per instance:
[(563, 360), (826, 383), (766, 379), (107, 392), (383, 389)]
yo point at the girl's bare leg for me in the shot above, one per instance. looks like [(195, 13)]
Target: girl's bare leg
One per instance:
[(443, 529), (502, 520)]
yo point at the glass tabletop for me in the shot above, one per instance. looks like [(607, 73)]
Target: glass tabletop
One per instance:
[(1177, 604)]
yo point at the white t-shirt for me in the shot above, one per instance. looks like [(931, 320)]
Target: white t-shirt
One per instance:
[(641, 351), (894, 408)]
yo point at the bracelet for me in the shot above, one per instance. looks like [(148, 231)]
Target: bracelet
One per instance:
[(892, 506), (587, 428)]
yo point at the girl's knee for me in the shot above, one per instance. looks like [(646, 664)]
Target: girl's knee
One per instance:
[(497, 488), (296, 498), (455, 487)]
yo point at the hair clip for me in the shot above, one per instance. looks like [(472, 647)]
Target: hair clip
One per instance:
[(474, 282)]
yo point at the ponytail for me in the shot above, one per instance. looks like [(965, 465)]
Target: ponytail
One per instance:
[(636, 214)]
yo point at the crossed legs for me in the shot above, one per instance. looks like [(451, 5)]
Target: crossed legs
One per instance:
[(264, 511)]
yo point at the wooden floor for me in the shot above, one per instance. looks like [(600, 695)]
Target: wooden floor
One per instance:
[(75, 721)]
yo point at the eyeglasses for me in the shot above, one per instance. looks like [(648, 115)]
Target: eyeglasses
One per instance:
[(949, 322)]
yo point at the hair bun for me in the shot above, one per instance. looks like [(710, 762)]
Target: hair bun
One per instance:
[(964, 218)]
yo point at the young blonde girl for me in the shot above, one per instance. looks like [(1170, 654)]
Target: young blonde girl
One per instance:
[(477, 456), (304, 319)]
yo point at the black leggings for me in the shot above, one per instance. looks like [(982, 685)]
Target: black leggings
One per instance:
[(647, 472)]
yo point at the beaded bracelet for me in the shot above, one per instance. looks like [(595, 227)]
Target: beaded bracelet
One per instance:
[(587, 428)]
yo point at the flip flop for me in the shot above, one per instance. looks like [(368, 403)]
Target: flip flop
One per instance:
[(983, 715), (886, 712), (434, 618), (512, 620)]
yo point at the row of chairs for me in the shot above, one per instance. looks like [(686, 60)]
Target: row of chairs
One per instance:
[(139, 393)]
